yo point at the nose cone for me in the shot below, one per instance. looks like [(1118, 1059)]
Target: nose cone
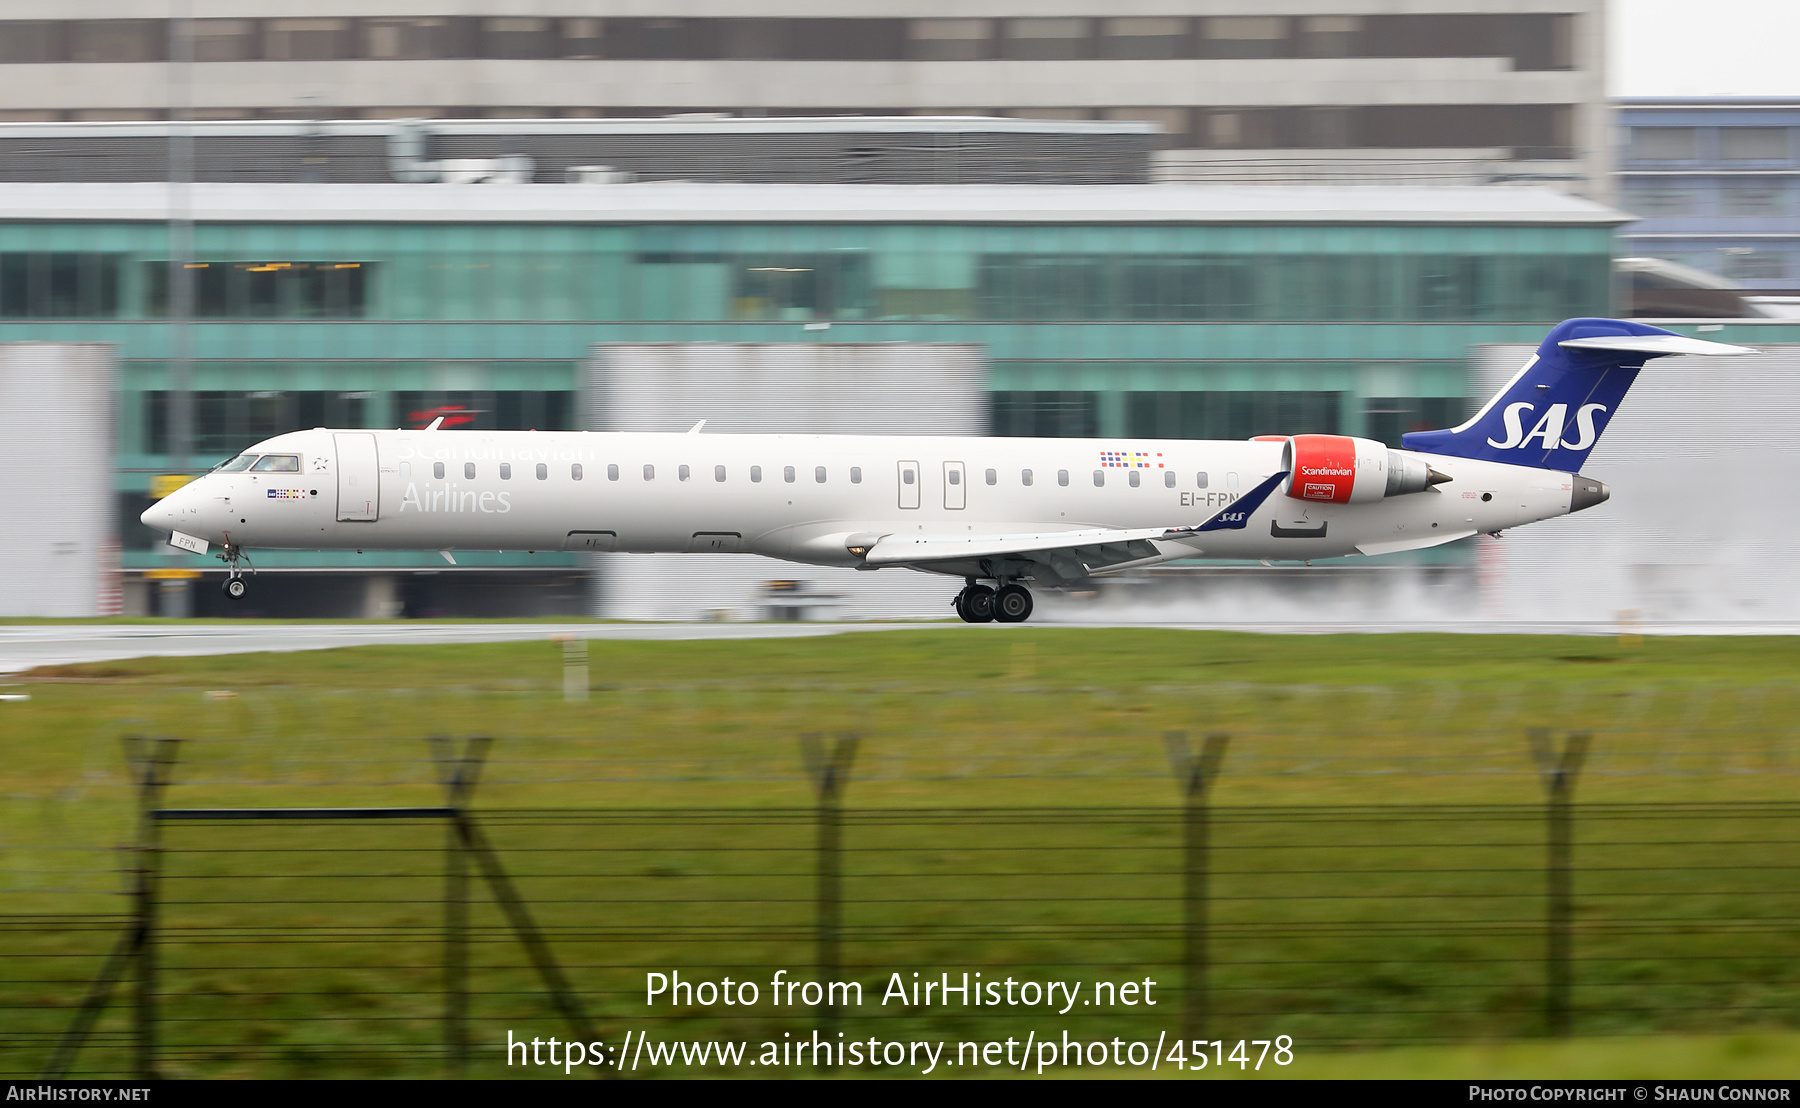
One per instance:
[(1587, 493), (163, 514)]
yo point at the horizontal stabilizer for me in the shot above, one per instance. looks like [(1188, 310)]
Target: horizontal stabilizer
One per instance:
[(1654, 344)]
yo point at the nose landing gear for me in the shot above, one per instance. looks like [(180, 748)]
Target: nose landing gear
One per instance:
[(1011, 603), (234, 587)]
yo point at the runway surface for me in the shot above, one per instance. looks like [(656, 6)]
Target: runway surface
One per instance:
[(24, 646)]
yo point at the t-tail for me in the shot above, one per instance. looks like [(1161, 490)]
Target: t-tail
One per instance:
[(1555, 409)]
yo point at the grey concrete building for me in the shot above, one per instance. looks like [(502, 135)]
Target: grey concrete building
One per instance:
[(1243, 89)]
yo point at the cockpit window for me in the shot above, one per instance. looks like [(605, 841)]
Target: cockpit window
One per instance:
[(277, 463), (235, 465)]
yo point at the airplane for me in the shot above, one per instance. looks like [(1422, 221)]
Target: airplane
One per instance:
[(1003, 514)]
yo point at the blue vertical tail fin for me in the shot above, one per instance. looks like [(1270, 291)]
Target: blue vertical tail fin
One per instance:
[(1554, 410)]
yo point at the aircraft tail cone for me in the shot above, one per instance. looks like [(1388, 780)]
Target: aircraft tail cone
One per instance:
[(1587, 493)]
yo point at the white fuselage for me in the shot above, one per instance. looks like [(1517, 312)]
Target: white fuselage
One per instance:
[(818, 496)]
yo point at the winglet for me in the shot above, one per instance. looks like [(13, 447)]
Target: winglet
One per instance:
[(1235, 515)]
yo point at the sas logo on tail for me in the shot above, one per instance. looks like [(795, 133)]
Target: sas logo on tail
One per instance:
[(1549, 429)]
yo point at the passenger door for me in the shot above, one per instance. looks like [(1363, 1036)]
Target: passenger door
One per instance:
[(359, 478), (909, 484), (956, 491)]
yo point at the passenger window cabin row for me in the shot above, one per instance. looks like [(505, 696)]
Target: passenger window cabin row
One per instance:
[(1133, 477)]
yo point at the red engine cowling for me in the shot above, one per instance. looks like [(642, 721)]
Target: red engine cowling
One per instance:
[(1335, 469)]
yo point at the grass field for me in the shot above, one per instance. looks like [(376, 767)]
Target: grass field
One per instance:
[(1378, 844)]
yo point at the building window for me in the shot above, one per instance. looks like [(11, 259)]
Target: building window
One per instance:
[(1145, 37), (224, 40), (482, 410), (1660, 201), (402, 39), (505, 471), (59, 286), (1176, 123), (225, 419), (582, 38), (30, 41), (1748, 265), (117, 40), (612, 471), (1231, 415), (1046, 39), (575, 471), (1663, 144), (949, 40), (307, 40), (1753, 144), (1045, 414), (468, 471), (1386, 418), (517, 37), (1328, 36), (1750, 196), (267, 290), (1244, 36)]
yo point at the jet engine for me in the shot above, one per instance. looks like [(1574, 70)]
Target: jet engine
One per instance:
[(1338, 469)]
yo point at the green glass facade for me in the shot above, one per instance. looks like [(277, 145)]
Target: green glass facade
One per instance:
[(1110, 329)]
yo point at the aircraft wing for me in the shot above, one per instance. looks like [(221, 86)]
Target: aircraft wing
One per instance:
[(1092, 549)]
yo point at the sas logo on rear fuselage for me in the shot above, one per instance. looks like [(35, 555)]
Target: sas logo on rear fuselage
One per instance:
[(287, 494), (1549, 429)]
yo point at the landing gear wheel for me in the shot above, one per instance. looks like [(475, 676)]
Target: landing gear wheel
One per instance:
[(1012, 604), (235, 588), (975, 604)]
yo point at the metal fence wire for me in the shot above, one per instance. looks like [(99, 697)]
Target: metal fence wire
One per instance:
[(360, 942)]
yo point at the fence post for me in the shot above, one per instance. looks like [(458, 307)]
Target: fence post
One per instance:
[(458, 774), (1558, 770), (830, 772), (152, 764), (575, 667), (1194, 775)]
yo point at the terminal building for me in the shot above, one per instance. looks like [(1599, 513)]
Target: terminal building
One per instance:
[(1715, 183), (496, 299), (1240, 89)]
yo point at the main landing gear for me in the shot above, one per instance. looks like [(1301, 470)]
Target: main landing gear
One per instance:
[(1010, 603), (234, 587)]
